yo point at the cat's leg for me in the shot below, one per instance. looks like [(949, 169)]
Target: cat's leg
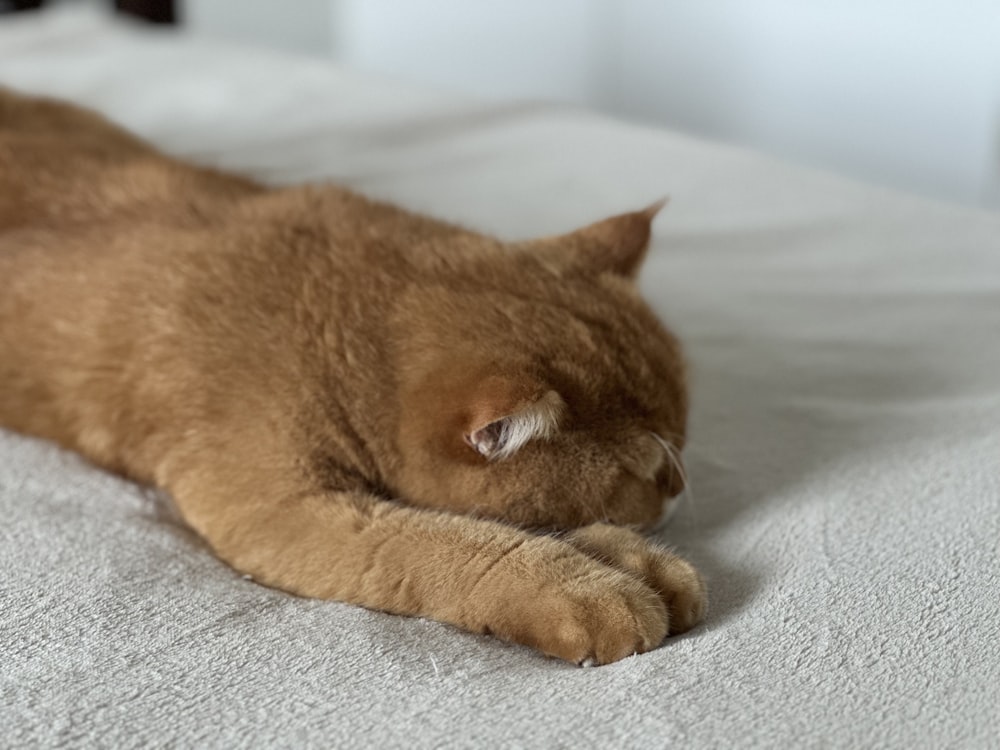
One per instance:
[(479, 575), (676, 580)]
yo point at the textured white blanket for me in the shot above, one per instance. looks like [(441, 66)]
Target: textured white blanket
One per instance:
[(845, 451)]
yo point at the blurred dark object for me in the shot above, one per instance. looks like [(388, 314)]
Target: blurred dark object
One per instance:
[(9, 6), (154, 11)]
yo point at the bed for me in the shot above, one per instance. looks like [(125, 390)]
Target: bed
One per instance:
[(845, 448)]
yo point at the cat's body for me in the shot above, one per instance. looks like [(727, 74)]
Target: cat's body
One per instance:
[(346, 400)]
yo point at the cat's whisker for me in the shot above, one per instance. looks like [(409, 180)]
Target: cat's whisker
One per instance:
[(675, 462), (685, 498), (604, 511), (682, 470)]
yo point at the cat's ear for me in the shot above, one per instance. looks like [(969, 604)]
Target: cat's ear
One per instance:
[(500, 428), (616, 245)]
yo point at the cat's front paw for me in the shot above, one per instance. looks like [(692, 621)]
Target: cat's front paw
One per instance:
[(675, 579), (599, 621), (566, 604), (679, 585)]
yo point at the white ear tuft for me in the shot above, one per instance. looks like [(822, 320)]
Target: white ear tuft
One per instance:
[(504, 437)]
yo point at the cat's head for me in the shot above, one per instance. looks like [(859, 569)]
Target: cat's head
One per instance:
[(537, 386)]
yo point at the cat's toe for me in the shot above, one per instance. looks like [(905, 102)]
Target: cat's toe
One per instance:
[(629, 619), (600, 622), (676, 581), (680, 587)]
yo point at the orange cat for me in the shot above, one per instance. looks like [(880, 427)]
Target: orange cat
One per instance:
[(344, 399)]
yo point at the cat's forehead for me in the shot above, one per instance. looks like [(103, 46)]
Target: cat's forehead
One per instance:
[(638, 374), (619, 389)]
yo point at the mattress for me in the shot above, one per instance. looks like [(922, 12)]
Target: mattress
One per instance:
[(844, 448)]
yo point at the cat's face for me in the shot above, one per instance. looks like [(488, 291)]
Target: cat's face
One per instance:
[(541, 389)]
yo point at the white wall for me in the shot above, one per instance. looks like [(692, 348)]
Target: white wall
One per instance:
[(544, 49), (904, 92), (901, 92), (302, 26)]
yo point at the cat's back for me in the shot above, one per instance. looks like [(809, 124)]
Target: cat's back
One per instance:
[(64, 166), (47, 182)]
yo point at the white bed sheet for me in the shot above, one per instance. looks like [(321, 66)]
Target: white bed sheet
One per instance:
[(845, 450)]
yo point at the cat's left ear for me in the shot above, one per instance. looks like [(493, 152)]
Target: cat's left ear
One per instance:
[(616, 245), (500, 427)]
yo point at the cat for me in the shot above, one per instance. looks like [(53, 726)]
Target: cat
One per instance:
[(347, 400)]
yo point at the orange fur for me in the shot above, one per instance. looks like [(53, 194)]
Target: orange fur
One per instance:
[(344, 399)]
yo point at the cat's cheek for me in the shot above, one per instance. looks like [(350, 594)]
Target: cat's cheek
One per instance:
[(635, 503)]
